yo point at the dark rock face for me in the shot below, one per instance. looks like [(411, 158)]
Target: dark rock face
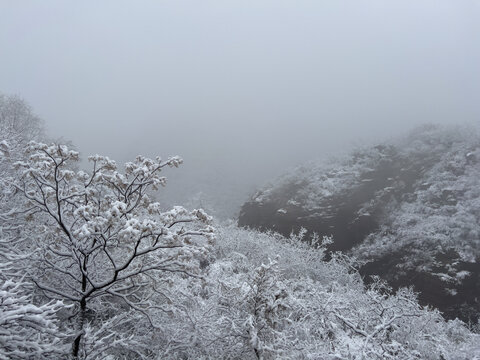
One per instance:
[(406, 210), (338, 219), (340, 214), (453, 300)]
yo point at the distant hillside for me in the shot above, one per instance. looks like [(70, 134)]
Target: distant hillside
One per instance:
[(410, 209)]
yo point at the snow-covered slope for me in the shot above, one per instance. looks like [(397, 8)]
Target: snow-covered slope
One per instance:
[(409, 208)]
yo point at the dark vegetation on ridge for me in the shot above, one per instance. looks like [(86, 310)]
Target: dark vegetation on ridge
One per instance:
[(407, 209)]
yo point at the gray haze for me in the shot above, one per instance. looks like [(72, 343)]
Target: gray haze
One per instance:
[(242, 90)]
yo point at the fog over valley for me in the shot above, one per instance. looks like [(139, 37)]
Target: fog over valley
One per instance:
[(256, 179), (241, 90)]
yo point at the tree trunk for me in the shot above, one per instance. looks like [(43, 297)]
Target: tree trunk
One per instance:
[(81, 315), (80, 324)]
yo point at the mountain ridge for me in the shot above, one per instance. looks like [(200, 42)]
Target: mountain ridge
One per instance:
[(377, 203)]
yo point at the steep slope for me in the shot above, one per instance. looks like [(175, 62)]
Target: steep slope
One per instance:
[(409, 209)]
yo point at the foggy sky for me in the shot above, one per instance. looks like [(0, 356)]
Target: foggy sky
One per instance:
[(242, 90)]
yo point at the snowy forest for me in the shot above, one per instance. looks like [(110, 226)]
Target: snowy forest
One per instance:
[(268, 179), (93, 267)]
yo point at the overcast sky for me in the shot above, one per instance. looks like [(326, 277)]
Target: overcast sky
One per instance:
[(240, 89)]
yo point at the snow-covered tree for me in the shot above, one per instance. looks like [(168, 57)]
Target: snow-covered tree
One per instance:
[(28, 330), (300, 307), (98, 238), (17, 120)]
